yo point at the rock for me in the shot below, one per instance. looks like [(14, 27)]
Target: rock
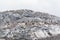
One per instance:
[(28, 25)]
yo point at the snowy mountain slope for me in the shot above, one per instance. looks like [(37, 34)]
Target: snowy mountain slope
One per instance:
[(28, 25)]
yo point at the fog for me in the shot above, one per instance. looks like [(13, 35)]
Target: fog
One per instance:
[(47, 6)]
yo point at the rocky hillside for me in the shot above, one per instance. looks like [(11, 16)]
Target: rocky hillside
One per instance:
[(28, 25)]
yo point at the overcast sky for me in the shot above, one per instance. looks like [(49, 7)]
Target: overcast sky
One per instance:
[(48, 6)]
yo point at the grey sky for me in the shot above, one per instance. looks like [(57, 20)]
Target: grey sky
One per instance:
[(48, 6)]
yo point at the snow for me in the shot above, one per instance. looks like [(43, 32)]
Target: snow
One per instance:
[(42, 32)]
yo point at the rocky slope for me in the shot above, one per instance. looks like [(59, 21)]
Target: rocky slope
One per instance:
[(28, 25)]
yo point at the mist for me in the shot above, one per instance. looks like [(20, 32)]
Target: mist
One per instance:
[(47, 6)]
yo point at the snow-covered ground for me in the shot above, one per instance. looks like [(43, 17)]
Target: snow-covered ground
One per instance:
[(27, 24)]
